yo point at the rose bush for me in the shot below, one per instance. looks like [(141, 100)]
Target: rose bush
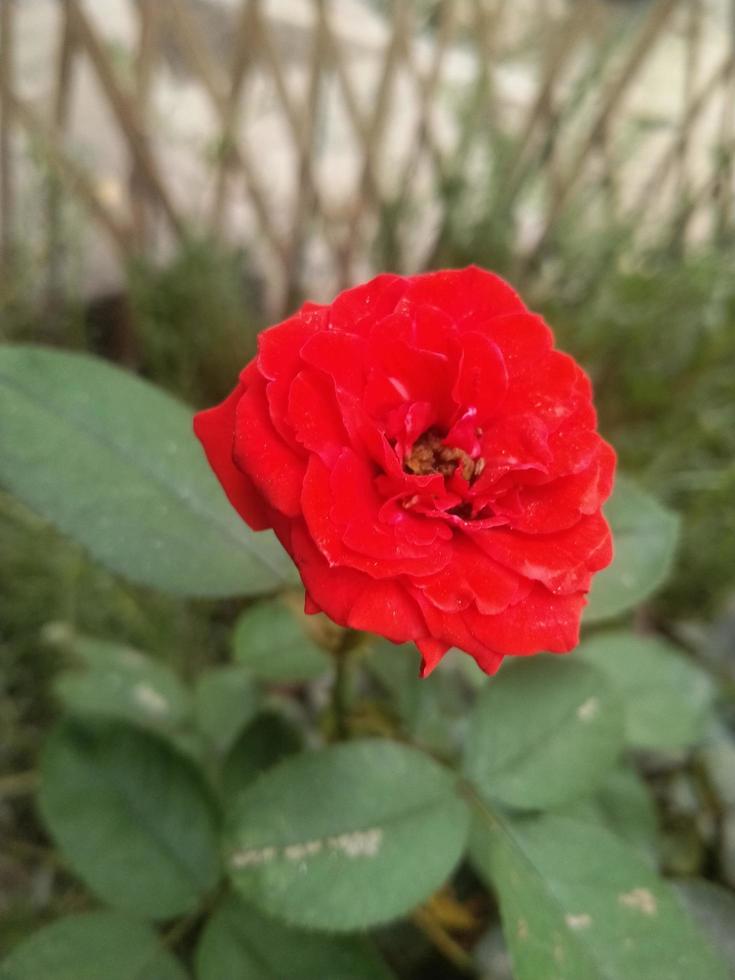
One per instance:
[(429, 461)]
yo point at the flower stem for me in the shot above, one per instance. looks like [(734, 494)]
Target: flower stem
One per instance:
[(341, 687)]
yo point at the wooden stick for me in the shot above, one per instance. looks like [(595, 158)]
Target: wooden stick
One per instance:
[(663, 166), (617, 89), (75, 176), (148, 37), (125, 112), (54, 199), (7, 188)]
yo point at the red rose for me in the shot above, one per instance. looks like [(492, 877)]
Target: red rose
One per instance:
[(428, 460)]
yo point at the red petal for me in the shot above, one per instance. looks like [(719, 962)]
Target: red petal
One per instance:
[(541, 621), (465, 294), (356, 310), (554, 388), (340, 355), (353, 599), (432, 652), (470, 578), (523, 338), (273, 466), (215, 429), (558, 505), (310, 607), (482, 379), (450, 628), (341, 511), (314, 417), (563, 562), (401, 372), (279, 360)]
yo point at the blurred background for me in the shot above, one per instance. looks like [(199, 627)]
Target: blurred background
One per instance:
[(177, 174)]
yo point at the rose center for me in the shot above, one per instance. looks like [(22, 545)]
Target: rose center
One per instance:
[(430, 455)]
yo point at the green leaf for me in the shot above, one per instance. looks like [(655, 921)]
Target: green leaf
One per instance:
[(226, 700), (645, 535), (270, 642), (123, 684), (544, 731), (265, 742), (432, 710), (240, 942), (577, 904), (89, 947), (667, 698), (713, 907), (347, 837), (132, 818), (113, 463), (624, 806)]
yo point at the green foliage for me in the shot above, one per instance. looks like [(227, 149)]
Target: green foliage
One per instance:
[(433, 713), (337, 838), (226, 700), (624, 806), (260, 746), (121, 683), (195, 319), (269, 641), (570, 735), (656, 333), (91, 946), (132, 818), (667, 698), (577, 904), (112, 462), (645, 536), (240, 942), (347, 837), (713, 907)]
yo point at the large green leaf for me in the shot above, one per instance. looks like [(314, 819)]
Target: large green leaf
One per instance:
[(346, 837), (432, 711), (713, 907), (271, 643), (240, 942), (118, 682), (645, 535), (226, 700), (112, 461), (259, 747), (92, 946), (544, 730), (624, 806), (132, 818), (577, 904), (667, 698)]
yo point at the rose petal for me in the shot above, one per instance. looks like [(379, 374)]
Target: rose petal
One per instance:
[(356, 310), (340, 355), (432, 652), (472, 577), (258, 449), (524, 339), (353, 599), (465, 294), (341, 513), (314, 415), (215, 429), (450, 628), (563, 562), (482, 379), (558, 505), (541, 621)]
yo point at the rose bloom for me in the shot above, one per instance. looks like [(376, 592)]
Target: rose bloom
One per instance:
[(428, 460)]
